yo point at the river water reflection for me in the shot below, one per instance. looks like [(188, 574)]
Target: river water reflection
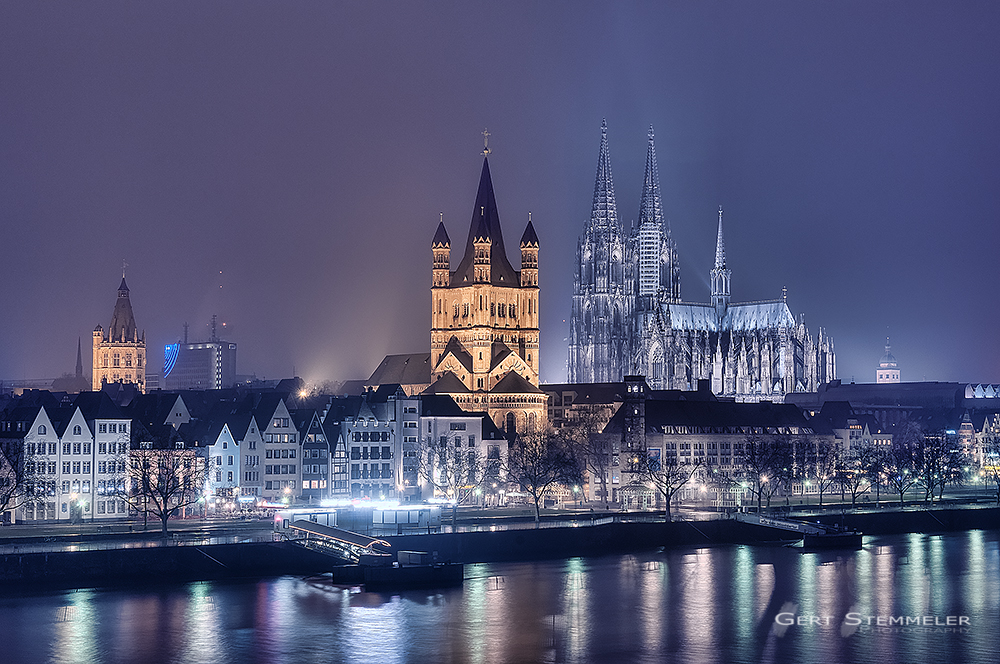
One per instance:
[(719, 604)]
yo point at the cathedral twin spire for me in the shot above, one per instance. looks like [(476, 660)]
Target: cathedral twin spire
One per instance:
[(605, 210), (651, 209)]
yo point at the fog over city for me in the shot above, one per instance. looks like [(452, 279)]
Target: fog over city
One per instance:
[(284, 166)]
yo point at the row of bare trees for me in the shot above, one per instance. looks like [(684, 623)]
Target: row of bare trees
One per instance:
[(160, 483), (765, 467)]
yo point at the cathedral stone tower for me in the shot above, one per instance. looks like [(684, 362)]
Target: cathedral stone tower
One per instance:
[(484, 320), (628, 317), (602, 299), (120, 353)]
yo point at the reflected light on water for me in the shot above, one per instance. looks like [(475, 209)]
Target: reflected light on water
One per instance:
[(709, 605)]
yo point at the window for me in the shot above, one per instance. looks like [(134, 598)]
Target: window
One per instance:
[(229, 474), (86, 467), (41, 430), (458, 426), (86, 448), (76, 467), (229, 460), (76, 448), (101, 428), (66, 448), (218, 476), (112, 428), (65, 467), (102, 448), (77, 430), (52, 448), (102, 467)]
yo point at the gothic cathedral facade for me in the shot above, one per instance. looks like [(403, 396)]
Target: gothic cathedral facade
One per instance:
[(628, 317), (120, 353), (484, 320)]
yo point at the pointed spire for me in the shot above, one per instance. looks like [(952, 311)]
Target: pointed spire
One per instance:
[(441, 238), (651, 209), (122, 321), (720, 275), (486, 224), (529, 239), (79, 358), (605, 210), (720, 246)]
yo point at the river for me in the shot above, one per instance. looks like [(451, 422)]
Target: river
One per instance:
[(722, 604)]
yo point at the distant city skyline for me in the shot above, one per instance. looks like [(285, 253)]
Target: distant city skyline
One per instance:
[(285, 168)]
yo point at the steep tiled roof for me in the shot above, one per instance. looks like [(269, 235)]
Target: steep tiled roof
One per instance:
[(405, 369), (447, 384), (515, 383), (486, 222)]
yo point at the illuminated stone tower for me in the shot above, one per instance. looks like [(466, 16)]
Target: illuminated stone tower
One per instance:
[(120, 353), (484, 320)]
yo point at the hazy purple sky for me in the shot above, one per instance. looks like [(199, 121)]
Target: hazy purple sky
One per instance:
[(298, 154)]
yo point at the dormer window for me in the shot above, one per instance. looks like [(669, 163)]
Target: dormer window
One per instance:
[(77, 430), (41, 430)]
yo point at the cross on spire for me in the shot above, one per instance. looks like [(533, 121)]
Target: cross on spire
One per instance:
[(486, 142)]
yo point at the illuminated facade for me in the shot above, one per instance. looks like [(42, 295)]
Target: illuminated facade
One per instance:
[(628, 316), (888, 368), (119, 355), (484, 320)]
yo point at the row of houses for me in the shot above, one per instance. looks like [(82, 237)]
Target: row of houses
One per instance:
[(270, 447)]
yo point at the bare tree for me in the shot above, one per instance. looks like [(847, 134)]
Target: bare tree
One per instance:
[(19, 475), (592, 448), (163, 482), (819, 462), (871, 460), (450, 468), (991, 460), (539, 461), (853, 478), (898, 469), (762, 466), (665, 474)]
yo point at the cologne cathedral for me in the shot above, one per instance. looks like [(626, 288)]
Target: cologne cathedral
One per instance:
[(628, 316)]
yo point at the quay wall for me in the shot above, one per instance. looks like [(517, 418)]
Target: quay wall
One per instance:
[(145, 564)]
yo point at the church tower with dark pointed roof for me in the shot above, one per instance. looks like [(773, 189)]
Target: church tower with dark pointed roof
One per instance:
[(120, 352), (484, 319)]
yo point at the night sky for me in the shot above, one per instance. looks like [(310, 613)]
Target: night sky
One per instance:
[(284, 165)]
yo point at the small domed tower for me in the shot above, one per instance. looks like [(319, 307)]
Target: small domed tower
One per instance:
[(888, 368)]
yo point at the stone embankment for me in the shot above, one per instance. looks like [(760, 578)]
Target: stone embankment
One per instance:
[(260, 559)]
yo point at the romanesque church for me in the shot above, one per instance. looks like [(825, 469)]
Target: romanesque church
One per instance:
[(628, 316), (484, 320)]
